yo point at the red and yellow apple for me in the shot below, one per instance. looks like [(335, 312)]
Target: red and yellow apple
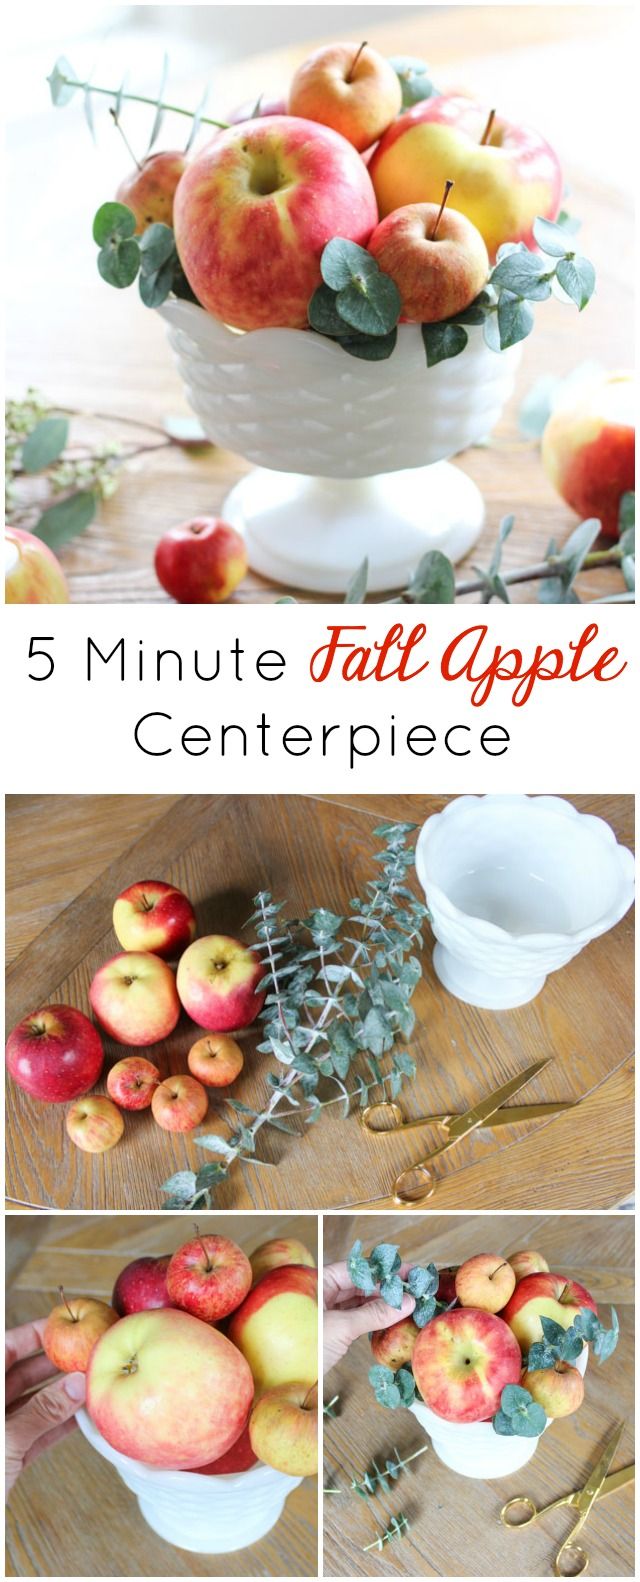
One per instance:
[(544, 1296), (283, 1429), (255, 210), (218, 983), (154, 916), (588, 448), (32, 575), (201, 561), (72, 1330), (281, 1250), (168, 1390), (276, 1328), (394, 1347), (94, 1124), (239, 1458), (446, 1291), (55, 1054), (131, 1083), (462, 1361), (216, 1060), (349, 87), (559, 1390), (179, 1104), (485, 1281), (501, 185), (528, 1261), (135, 999), (438, 260), (209, 1277), (150, 189), (142, 1284)]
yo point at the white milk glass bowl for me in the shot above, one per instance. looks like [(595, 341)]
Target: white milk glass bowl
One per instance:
[(516, 886), (208, 1515), (475, 1450), (351, 456)]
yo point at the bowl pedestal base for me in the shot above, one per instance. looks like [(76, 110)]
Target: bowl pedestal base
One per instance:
[(476, 987), (216, 1532), (314, 533)]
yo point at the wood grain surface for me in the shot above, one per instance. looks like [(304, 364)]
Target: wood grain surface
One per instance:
[(311, 851), (454, 1529), (102, 351), (107, 1536)]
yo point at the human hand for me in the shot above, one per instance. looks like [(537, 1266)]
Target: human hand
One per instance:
[(348, 1313), (35, 1417)]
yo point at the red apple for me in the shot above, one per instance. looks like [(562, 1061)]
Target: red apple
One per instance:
[(588, 448), (253, 214), (168, 1390), (253, 108), (438, 260), (276, 1327), (462, 1361), (215, 1060), (154, 916), (142, 1284), (239, 1458), (131, 1083), (283, 1429), (393, 1347), (32, 573), (150, 189), (544, 1296), (349, 87), (209, 1277), (218, 983), (94, 1124), (72, 1329), (134, 996), (55, 1054), (201, 561), (279, 1251), (501, 184), (528, 1261), (179, 1104), (485, 1281), (446, 1291), (559, 1390)]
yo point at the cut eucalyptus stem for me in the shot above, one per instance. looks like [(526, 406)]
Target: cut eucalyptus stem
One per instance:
[(544, 568), (139, 98)]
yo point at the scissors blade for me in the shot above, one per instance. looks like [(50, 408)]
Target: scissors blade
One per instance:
[(480, 1113), (617, 1480), (598, 1473)]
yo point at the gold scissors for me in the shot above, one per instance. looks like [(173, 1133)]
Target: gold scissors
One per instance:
[(599, 1484), (417, 1183)]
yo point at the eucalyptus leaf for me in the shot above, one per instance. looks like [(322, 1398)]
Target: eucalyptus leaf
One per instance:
[(217, 1145), (372, 307), (577, 277), (433, 581), (442, 341), (577, 546), (44, 444), (391, 1291), (88, 112), (159, 115), (515, 320), (357, 586), (119, 262), (157, 246), (155, 288), (551, 238), (61, 90), (66, 519), (182, 1185), (370, 348), (343, 262), (113, 221), (197, 120), (323, 314), (415, 79), (524, 274)]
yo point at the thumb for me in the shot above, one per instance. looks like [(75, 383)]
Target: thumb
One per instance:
[(376, 1314), (45, 1410)]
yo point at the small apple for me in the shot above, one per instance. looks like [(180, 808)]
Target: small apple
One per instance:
[(209, 1277), (255, 210), (280, 1250), (528, 1261), (201, 561), (446, 1291), (588, 448), (486, 1281), (142, 1284), (55, 1054), (393, 1347), (283, 1429), (544, 1296), (215, 1060), (94, 1124), (131, 1083), (219, 983), (351, 88), (168, 1390), (72, 1329), (154, 916), (505, 175), (239, 1458), (179, 1104), (276, 1327), (436, 257), (134, 997), (31, 572), (150, 189), (462, 1361), (559, 1390)]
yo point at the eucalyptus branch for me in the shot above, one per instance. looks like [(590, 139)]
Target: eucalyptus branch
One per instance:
[(397, 1528), (63, 84)]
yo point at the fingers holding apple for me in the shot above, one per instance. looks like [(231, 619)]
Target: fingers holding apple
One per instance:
[(209, 1277), (283, 1429), (349, 87), (215, 1060), (72, 1330), (156, 917)]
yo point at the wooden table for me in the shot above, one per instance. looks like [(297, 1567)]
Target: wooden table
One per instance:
[(309, 851), (93, 349), (107, 1536), (453, 1526)]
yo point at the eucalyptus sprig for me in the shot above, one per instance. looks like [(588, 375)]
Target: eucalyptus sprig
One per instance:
[(378, 1481), (519, 1413), (381, 1270), (397, 1528), (339, 992), (565, 1345), (64, 84), (151, 259)]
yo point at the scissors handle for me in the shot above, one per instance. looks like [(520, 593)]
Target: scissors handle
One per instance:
[(413, 1185), (531, 1511), (386, 1117), (572, 1557)]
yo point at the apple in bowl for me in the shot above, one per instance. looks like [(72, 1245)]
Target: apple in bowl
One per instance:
[(154, 916), (435, 256), (276, 1327), (135, 999), (209, 1277), (281, 1250), (149, 190), (559, 1390), (55, 1054), (544, 1296), (528, 1261), (283, 1429), (462, 1361), (350, 87), (218, 982), (239, 1458), (73, 1329), (485, 1281), (142, 1284), (394, 1347)]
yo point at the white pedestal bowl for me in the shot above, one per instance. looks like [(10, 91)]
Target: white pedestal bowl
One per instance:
[(351, 455), (516, 886), (207, 1515)]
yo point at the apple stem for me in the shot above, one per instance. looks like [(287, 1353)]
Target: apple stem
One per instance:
[(199, 1238), (309, 1392), (487, 131), (116, 121), (349, 76), (447, 188), (73, 1316)]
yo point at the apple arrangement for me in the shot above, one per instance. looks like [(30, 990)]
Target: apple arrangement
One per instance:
[(142, 1284), (154, 916), (55, 1054), (283, 1429), (73, 1329), (149, 190)]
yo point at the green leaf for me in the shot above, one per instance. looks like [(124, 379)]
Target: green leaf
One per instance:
[(371, 348), (372, 306), (415, 79), (386, 1390), (197, 120), (357, 586), (359, 1271), (424, 1311), (66, 519), (159, 115), (541, 1355), (524, 274), (44, 444), (628, 569), (157, 245), (217, 1145), (406, 1385), (503, 1424), (607, 1339), (515, 320), (553, 1333), (182, 1185), (155, 288), (323, 314), (88, 112), (343, 262), (575, 550), (209, 1176), (113, 220), (514, 1398), (423, 1282), (386, 1258), (627, 511), (551, 238), (442, 341), (391, 1291), (433, 581), (577, 277), (61, 91)]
